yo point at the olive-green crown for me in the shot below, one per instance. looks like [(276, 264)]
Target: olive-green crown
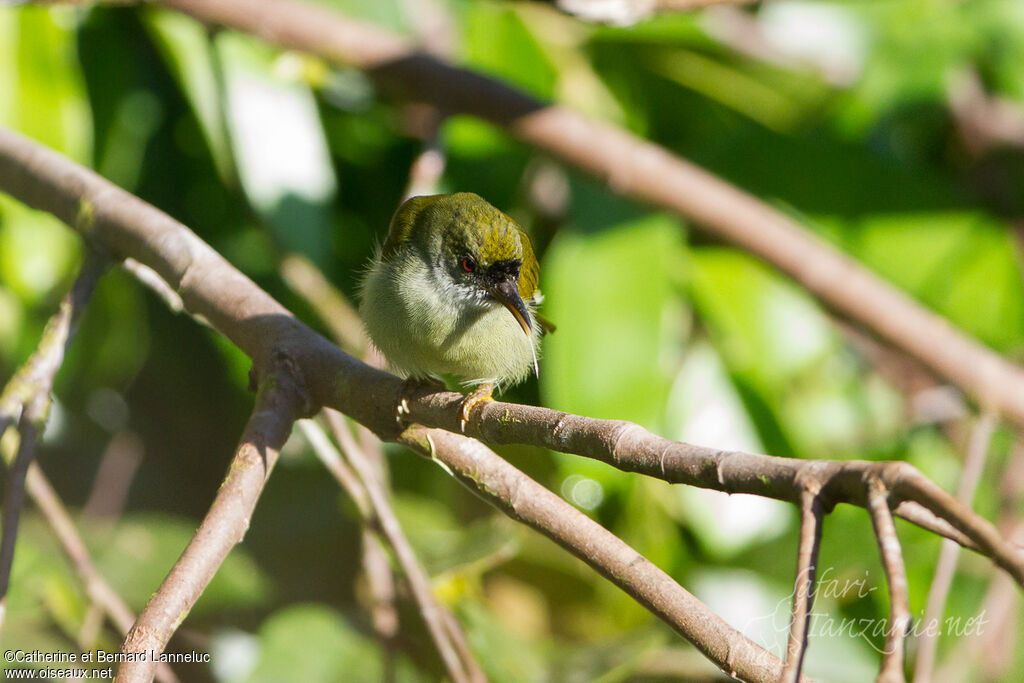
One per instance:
[(464, 224)]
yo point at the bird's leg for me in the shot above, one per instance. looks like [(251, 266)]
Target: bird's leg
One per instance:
[(474, 398), (410, 388)]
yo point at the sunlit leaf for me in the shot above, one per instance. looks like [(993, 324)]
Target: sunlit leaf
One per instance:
[(314, 643)]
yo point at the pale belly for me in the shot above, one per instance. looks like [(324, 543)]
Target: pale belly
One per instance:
[(424, 334)]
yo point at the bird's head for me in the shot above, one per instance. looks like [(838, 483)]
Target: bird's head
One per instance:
[(477, 252)]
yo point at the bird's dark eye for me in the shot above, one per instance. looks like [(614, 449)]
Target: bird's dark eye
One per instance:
[(468, 264)]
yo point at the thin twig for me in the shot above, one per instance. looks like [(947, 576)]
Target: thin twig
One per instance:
[(376, 567), (278, 403), (997, 620), (383, 517), (336, 465), (28, 393), (896, 577), (945, 568), (918, 514), (803, 585), (153, 281), (28, 429), (333, 309)]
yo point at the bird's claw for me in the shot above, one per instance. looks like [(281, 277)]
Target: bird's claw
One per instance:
[(479, 395), (410, 387), (403, 410)]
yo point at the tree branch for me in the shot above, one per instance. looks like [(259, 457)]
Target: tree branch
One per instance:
[(896, 577), (803, 585), (278, 403), (632, 448)]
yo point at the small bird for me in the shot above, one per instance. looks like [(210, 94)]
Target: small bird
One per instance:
[(452, 293)]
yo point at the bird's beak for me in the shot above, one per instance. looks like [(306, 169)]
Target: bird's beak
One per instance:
[(507, 292)]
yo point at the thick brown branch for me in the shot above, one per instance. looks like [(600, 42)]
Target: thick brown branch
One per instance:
[(522, 499), (278, 404), (632, 448), (636, 168)]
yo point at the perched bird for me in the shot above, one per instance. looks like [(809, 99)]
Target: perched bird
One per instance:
[(452, 293)]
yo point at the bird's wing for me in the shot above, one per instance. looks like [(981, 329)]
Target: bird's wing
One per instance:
[(529, 271), (403, 222)]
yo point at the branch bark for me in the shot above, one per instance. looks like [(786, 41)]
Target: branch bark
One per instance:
[(896, 577), (804, 585), (641, 170)]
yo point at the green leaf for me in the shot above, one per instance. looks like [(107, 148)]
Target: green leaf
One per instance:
[(185, 45), (615, 299), (961, 264), (497, 42), (38, 253), (43, 95), (142, 547), (768, 329), (314, 643)]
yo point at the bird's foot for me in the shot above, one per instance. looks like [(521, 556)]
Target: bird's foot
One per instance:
[(474, 398), (410, 388)]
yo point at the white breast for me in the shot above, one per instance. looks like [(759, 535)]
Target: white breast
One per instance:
[(426, 326)]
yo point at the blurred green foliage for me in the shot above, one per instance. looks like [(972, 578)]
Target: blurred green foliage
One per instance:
[(844, 122)]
